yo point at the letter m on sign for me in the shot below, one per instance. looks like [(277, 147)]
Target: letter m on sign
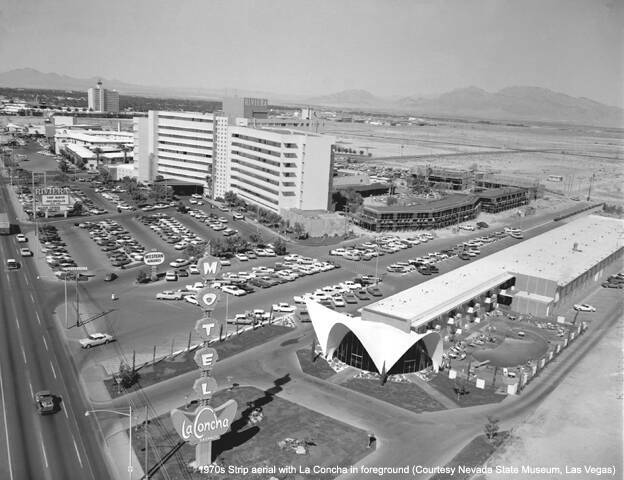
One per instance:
[(210, 268)]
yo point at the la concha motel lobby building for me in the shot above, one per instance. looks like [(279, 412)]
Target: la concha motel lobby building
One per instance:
[(403, 333)]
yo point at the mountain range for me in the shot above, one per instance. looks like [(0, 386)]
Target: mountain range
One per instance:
[(511, 103)]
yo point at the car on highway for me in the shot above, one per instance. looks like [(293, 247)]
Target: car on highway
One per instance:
[(26, 252), (45, 402), (283, 307), (21, 238), (12, 264), (95, 339), (169, 295), (584, 307)]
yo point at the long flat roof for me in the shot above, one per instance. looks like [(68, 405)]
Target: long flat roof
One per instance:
[(550, 256)]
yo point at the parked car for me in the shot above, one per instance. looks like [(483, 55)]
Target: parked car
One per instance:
[(110, 277), (95, 339), (179, 262), (584, 307), (374, 291), (169, 295), (242, 257), (171, 276), (232, 290), (283, 308)]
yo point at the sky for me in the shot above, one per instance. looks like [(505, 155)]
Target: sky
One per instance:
[(391, 48)]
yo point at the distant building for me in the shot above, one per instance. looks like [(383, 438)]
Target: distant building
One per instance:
[(103, 100), (245, 107), (419, 214), (496, 200), (275, 169)]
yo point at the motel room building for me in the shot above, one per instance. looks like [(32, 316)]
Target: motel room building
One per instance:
[(402, 333)]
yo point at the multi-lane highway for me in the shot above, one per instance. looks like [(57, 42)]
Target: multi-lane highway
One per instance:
[(33, 357)]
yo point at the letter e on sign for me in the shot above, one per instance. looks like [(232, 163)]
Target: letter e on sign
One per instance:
[(205, 358)]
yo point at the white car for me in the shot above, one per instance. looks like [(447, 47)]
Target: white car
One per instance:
[(238, 216), (225, 262), (338, 251), (351, 285), (26, 252), (169, 295), (171, 276), (242, 257), (338, 301), (232, 290), (283, 308), (179, 262), (301, 298), (196, 195), (191, 299), (584, 307), (193, 270), (21, 238), (95, 339), (293, 257), (196, 287)]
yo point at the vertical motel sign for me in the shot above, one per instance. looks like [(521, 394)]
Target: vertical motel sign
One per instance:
[(205, 424)]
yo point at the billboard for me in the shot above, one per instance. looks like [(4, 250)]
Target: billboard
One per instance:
[(52, 196), (153, 258)]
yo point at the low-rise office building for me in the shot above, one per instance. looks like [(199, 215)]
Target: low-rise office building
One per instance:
[(419, 214), (496, 200), (402, 333)]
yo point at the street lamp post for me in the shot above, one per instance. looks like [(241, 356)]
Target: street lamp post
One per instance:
[(129, 415)]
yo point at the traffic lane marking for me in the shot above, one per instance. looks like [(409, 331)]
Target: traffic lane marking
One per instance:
[(6, 428), (53, 371)]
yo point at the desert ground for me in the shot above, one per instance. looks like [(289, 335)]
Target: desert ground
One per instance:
[(525, 151)]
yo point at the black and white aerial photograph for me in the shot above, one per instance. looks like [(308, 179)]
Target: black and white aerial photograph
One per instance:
[(311, 239)]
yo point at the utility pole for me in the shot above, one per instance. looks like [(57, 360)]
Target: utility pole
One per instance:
[(591, 182), (77, 303)]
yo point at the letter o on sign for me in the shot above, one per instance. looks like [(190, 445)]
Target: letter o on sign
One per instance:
[(208, 297)]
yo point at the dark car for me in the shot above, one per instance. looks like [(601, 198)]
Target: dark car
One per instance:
[(612, 285), (464, 256), (46, 402), (482, 225), (183, 273), (361, 294), (110, 277), (374, 291)]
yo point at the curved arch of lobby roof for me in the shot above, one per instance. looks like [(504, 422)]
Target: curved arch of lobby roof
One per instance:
[(253, 197), (255, 168), (256, 158), (163, 128), (256, 149), (183, 152), (264, 188), (385, 344), (275, 183), (207, 139)]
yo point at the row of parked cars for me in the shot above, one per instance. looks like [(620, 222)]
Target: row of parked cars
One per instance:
[(88, 207), (171, 230), (115, 241), (614, 281), (55, 250), (218, 224), (349, 292), (381, 246)]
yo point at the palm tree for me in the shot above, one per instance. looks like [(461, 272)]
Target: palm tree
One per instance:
[(98, 152), (125, 149)]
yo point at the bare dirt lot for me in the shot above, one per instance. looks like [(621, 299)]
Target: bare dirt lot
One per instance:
[(527, 151)]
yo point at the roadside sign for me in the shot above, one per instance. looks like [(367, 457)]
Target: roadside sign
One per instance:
[(209, 267), (205, 387), (153, 258), (208, 298), (205, 358), (56, 200)]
